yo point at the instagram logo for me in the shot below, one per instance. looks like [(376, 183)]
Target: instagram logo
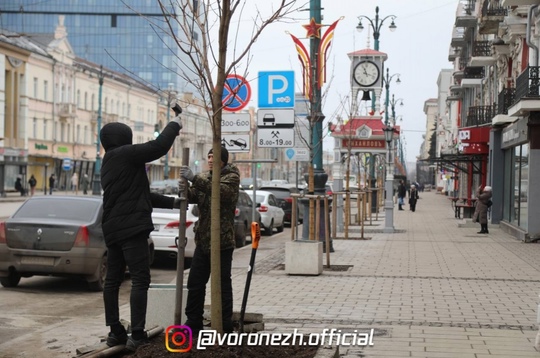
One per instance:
[(178, 339)]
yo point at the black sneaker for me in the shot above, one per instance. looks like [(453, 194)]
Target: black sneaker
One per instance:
[(132, 344), (116, 340)]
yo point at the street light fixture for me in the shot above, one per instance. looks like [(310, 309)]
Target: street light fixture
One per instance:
[(389, 183), (376, 25), (96, 188), (387, 80)]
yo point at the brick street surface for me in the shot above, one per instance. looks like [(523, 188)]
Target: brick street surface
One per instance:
[(432, 289)]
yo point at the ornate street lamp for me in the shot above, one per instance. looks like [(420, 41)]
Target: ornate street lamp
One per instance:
[(389, 183), (387, 80), (376, 25), (96, 188)]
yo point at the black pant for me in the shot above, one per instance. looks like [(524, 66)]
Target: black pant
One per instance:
[(199, 274), (134, 253)]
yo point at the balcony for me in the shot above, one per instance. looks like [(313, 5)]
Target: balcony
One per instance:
[(458, 37), (66, 110), (453, 53), (504, 101), (527, 95), (492, 15), (482, 54), (465, 16), (479, 115), (472, 76)]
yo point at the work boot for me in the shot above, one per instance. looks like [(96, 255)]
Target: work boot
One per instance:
[(116, 339), (132, 343), (399, 207)]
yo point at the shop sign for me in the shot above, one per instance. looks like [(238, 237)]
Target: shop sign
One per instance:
[(514, 134), (364, 143), (40, 146), (62, 150)]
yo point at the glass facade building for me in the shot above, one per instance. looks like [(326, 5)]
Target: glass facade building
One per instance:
[(130, 40)]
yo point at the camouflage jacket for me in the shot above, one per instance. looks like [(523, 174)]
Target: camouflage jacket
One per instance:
[(200, 193)]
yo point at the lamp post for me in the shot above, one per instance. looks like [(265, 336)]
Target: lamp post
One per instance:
[(387, 81), (376, 25), (393, 103), (389, 183), (96, 188)]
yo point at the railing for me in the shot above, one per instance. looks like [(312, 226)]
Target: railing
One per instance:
[(493, 8), (482, 49), (527, 83), (463, 61), (479, 115), (474, 72), (505, 100)]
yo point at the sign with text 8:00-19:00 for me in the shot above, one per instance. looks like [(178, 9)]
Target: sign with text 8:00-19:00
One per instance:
[(275, 137)]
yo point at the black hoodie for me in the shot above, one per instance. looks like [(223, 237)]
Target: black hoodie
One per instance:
[(127, 201)]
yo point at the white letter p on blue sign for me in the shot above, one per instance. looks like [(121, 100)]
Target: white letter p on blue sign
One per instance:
[(276, 89)]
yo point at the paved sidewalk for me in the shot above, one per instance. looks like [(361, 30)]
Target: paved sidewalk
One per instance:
[(431, 290)]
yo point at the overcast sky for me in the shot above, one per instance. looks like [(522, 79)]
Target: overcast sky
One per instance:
[(417, 50)]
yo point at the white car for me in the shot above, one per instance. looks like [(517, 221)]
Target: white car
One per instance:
[(272, 216), (165, 232)]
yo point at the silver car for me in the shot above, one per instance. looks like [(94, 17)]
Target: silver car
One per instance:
[(56, 236), (272, 215)]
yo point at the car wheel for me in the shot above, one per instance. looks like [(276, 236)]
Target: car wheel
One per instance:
[(282, 227), (240, 236), (101, 273), (270, 229), (12, 280)]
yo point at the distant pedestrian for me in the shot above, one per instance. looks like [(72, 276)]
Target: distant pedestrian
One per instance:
[(32, 182), (19, 186), (85, 182), (75, 183), (483, 202), (401, 193), (413, 198), (52, 179)]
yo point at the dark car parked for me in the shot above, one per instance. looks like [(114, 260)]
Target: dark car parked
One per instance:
[(243, 218), (283, 192), (55, 236)]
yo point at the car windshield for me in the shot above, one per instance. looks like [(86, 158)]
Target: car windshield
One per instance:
[(72, 210), (280, 193)]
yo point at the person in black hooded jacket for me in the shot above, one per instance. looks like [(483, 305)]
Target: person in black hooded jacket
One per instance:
[(127, 222)]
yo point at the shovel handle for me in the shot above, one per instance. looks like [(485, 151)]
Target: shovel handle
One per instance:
[(255, 235)]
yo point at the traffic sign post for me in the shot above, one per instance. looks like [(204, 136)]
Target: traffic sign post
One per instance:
[(236, 143), (275, 118), (297, 154), (66, 164), (236, 93)]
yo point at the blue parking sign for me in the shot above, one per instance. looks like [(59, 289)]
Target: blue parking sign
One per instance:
[(276, 89)]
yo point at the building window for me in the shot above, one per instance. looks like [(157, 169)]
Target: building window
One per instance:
[(44, 129), (93, 101), (34, 128), (85, 101), (85, 138), (45, 92), (35, 88), (78, 98), (78, 138), (113, 20), (62, 132)]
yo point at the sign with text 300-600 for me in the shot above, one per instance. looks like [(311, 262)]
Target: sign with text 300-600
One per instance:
[(235, 122)]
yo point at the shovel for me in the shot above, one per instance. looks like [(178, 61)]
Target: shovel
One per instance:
[(255, 237)]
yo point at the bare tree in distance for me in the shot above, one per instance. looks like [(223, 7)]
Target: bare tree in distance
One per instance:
[(205, 64)]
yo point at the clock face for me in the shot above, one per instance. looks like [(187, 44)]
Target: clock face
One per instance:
[(366, 73)]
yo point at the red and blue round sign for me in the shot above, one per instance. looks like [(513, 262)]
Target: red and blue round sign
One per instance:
[(236, 93)]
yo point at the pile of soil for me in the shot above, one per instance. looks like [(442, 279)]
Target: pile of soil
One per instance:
[(156, 348)]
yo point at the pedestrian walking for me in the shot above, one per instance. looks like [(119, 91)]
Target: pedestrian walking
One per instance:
[(483, 202), (32, 182), (127, 222), (75, 183), (413, 198), (401, 192), (19, 187), (85, 182), (52, 179), (200, 193)]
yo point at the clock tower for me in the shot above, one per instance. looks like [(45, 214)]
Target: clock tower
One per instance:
[(367, 69)]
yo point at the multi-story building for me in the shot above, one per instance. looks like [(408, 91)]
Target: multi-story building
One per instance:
[(51, 100), (494, 103), (126, 37)]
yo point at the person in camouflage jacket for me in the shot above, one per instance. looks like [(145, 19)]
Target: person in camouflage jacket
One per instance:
[(200, 193)]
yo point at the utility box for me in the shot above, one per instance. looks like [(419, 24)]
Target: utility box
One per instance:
[(304, 257), (161, 305)]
